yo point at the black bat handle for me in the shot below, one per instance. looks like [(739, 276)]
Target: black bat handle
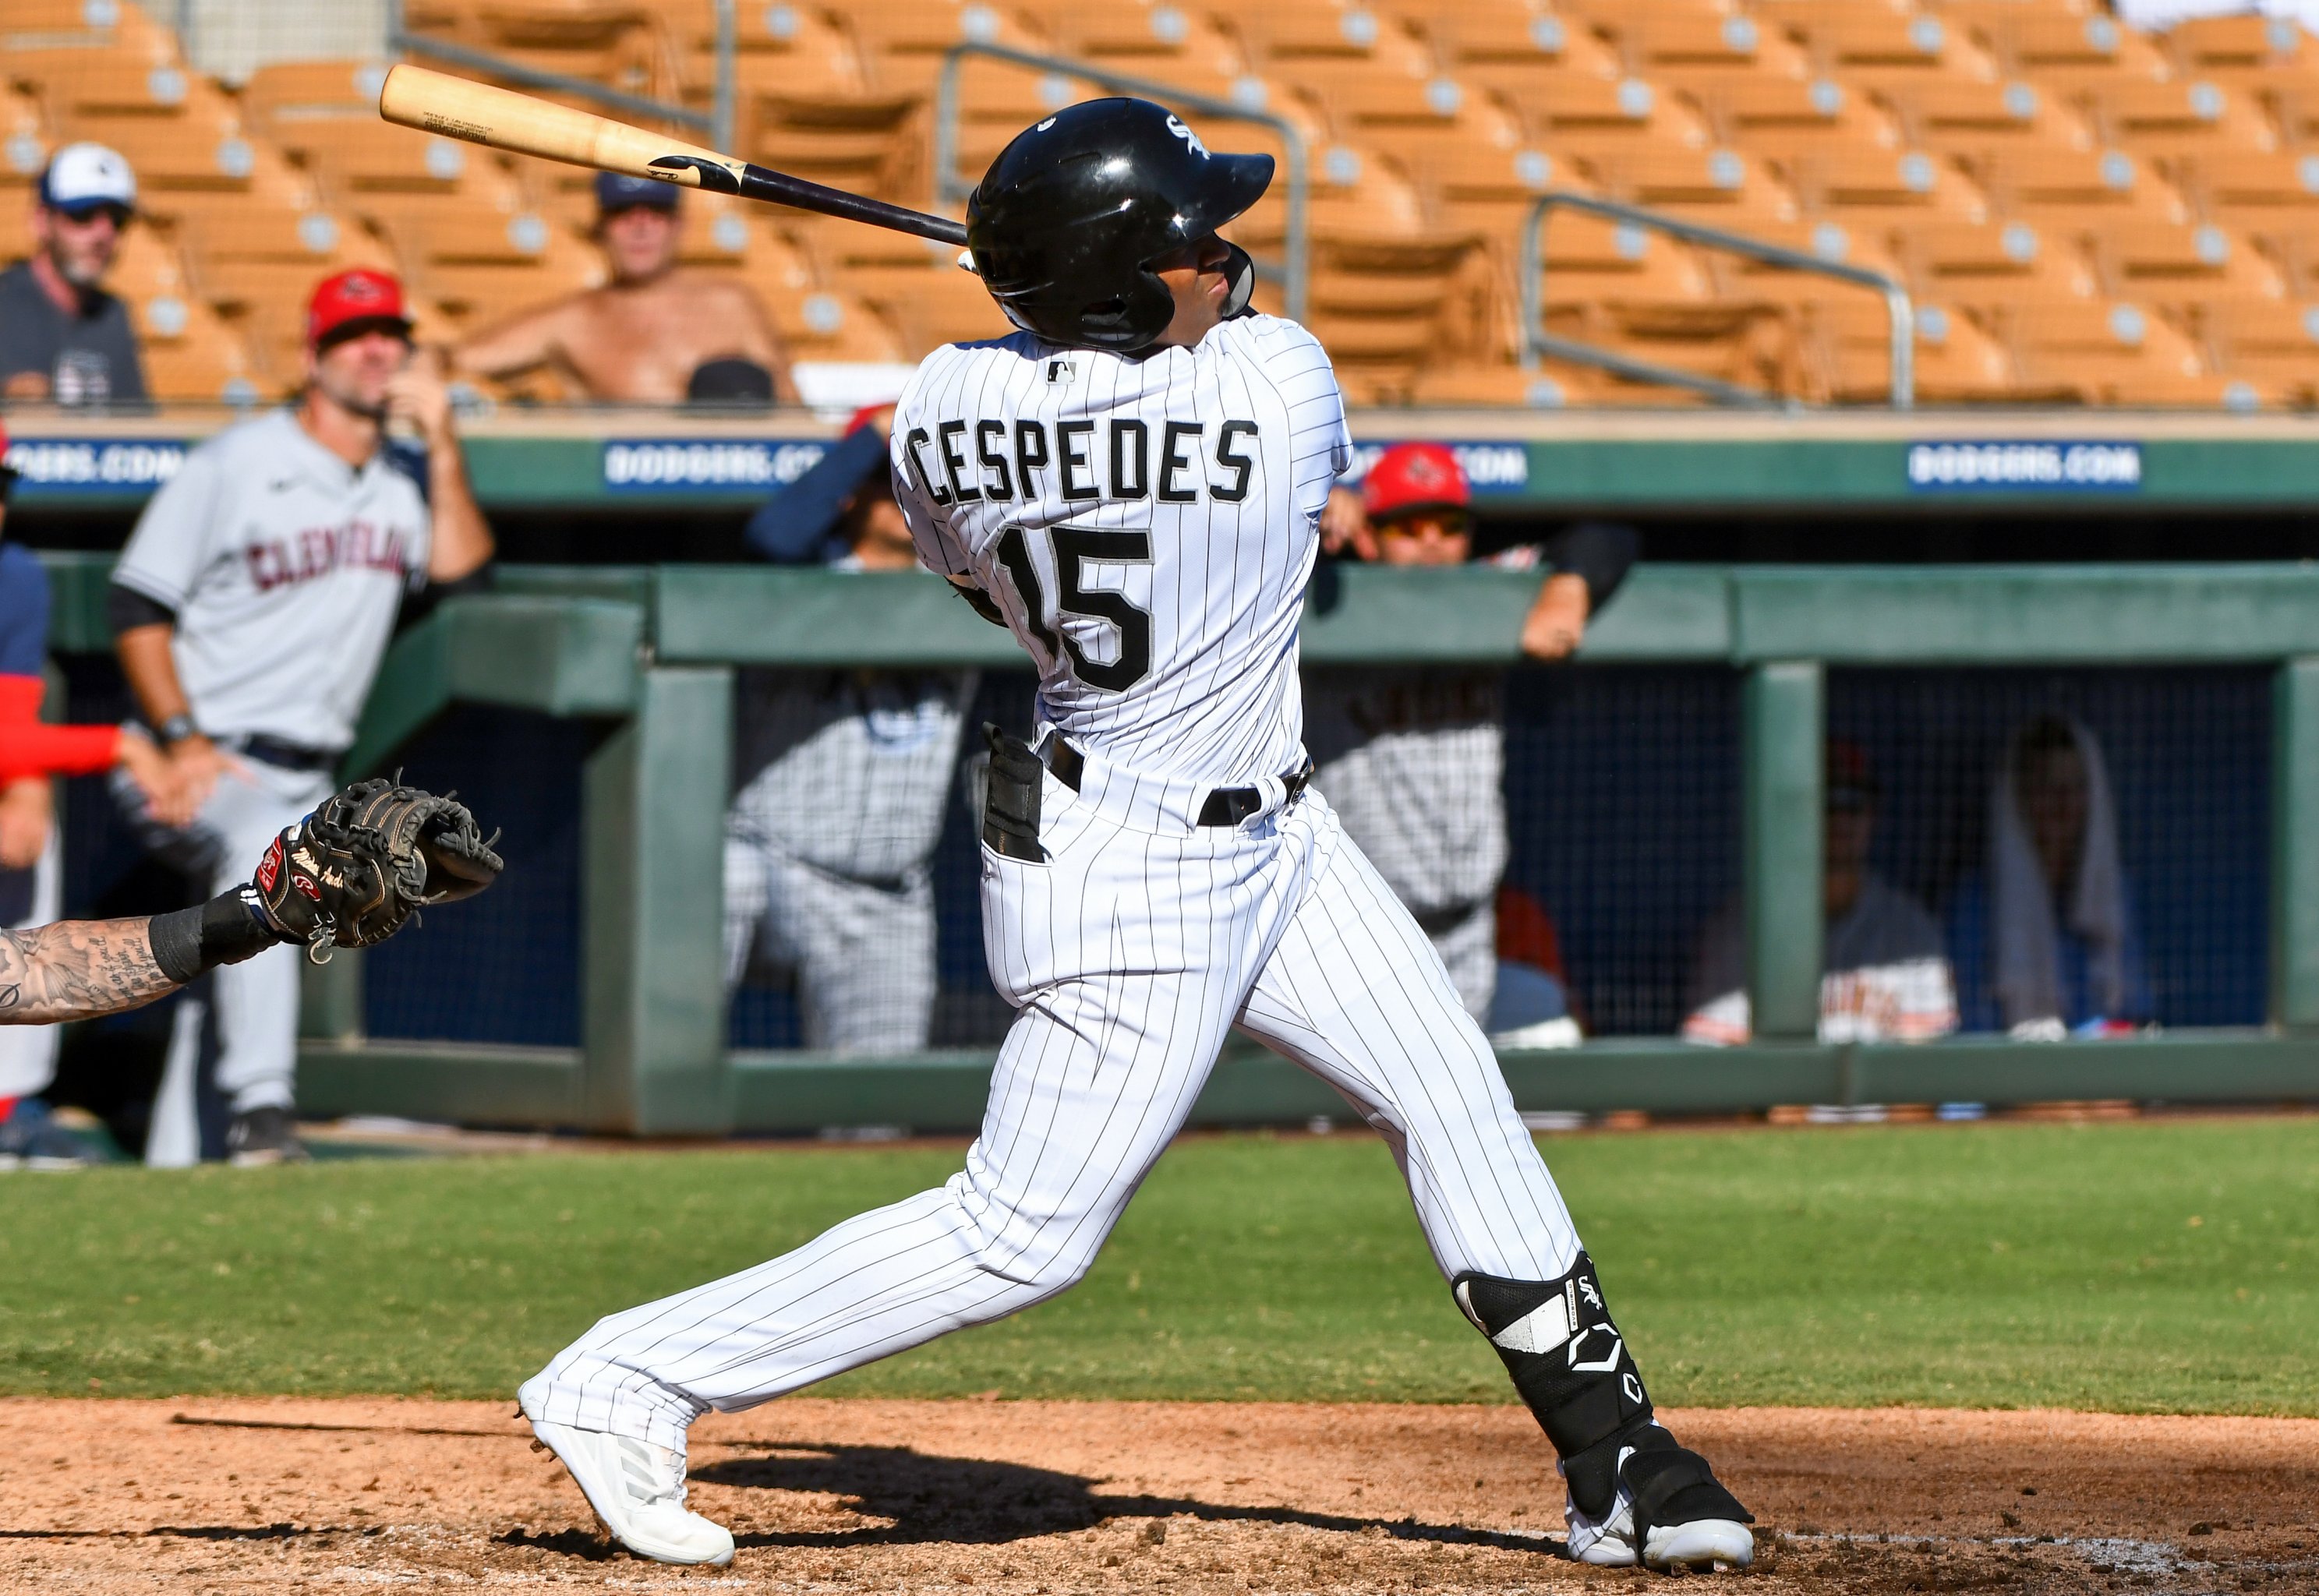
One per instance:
[(761, 183)]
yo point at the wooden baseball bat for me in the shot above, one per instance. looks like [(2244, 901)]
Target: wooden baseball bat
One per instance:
[(479, 112)]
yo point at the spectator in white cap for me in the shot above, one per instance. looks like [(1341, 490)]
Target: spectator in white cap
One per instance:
[(63, 337)]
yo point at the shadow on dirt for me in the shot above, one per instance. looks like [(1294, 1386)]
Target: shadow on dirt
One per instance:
[(971, 1501)]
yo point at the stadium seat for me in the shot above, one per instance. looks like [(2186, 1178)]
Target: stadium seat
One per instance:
[(1519, 49), (1964, 116), (2165, 262), (1152, 39), (282, 93), (1848, 344), (1778, 119), (2106, 352), (2169, 121), (1720, 187), (2270, 343), (2047, 184), (1588, 259), (204, 362), (1870, 188), (1874, 42), (1696, 49), (2252, 191), (903, 42), (1582, 116), (2245, 50), (1979, 262), (478, 267), (914, 285), (2066, 54), (1740, 276), (619, 43)]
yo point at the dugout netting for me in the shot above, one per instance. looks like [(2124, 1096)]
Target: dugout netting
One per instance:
[(1622, 790)]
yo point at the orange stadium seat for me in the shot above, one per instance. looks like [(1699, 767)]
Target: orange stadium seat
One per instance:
[(1586, 117), (619, 43), (1741, 277), (1720, 187), (1518, 49), (1870, 188), (2168, 121), (1693, 49), (2270, 343), (2252, 191), (2107, 352), (1985, 262), (2246, 50), (2066, 54), (2050, 184), (479, 267), (1965, 116), (1848, 354), (1779, 119), (282, 93), (1872, 42), (2166, 262), (1589, 259), (1152, 39), (903, 41)]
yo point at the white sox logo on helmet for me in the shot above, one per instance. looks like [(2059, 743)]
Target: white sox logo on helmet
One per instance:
[(1176, 126)]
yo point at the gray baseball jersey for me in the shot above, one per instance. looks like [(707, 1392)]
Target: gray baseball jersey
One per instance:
[(286, 568), (1413, 758), (1146, 526)]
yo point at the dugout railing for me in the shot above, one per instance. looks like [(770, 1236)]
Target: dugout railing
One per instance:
[(648, 656)]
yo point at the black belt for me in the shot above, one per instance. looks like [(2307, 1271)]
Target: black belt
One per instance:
[(1226, 806), (283, 755)]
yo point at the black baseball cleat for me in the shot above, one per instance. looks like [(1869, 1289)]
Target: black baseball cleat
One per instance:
[(264, 1136)]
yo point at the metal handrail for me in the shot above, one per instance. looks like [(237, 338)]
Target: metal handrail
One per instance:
[(1293, 272), (717, 123), (1537, 341)]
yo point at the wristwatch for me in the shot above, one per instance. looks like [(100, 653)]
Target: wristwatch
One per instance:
[(175, 730)]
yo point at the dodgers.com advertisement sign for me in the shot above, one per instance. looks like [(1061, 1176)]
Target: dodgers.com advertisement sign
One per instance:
[(93, 465), (2032, 466), (694, 466)]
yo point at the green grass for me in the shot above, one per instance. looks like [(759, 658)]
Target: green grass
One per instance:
[(2139, 1267)]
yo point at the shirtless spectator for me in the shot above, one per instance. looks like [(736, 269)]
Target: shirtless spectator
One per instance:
[(640, 338)]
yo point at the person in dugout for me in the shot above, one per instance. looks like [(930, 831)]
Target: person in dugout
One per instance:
[(1412, 757), (31, 754)]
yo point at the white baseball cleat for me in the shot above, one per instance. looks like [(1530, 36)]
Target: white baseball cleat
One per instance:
[(1701, 1545), (637, 1490)]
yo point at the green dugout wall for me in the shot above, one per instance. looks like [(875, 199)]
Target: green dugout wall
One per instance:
[(650, 654)]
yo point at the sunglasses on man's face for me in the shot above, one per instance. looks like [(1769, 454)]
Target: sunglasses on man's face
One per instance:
[(120, 215), (1452, 523)]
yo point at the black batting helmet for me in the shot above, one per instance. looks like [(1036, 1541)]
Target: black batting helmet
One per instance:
[(1064, 225)]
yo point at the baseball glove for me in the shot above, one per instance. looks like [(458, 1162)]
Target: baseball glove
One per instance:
[(351, 873)]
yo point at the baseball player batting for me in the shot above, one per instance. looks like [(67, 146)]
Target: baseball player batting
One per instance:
[(1131, 485)]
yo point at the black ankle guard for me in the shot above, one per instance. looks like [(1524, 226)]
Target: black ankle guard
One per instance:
[(1572, 1367)]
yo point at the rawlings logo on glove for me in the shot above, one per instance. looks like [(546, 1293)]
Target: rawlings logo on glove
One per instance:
[(351, 873)]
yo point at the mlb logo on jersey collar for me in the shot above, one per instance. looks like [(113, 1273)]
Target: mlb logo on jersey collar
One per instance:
[(1062, 369)]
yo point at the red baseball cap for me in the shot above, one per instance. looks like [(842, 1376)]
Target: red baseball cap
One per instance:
[(1413, 476), (370, 298)]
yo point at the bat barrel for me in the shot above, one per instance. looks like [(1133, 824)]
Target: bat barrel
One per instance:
[(505, 119)]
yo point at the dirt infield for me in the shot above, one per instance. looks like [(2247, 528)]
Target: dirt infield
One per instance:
[(1031, 1497)]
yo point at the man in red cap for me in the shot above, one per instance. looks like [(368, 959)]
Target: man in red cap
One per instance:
[(1413, 757), (250, 609)]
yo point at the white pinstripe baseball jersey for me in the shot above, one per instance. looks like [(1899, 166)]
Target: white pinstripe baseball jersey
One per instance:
[(1146, 524)]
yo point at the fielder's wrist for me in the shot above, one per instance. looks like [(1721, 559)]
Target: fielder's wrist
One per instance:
[(228, 929)]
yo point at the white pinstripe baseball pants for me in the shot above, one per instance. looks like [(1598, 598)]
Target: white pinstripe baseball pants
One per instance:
[(1128, 955)]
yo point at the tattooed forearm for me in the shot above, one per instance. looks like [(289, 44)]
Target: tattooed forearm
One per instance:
[(76, 970)]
